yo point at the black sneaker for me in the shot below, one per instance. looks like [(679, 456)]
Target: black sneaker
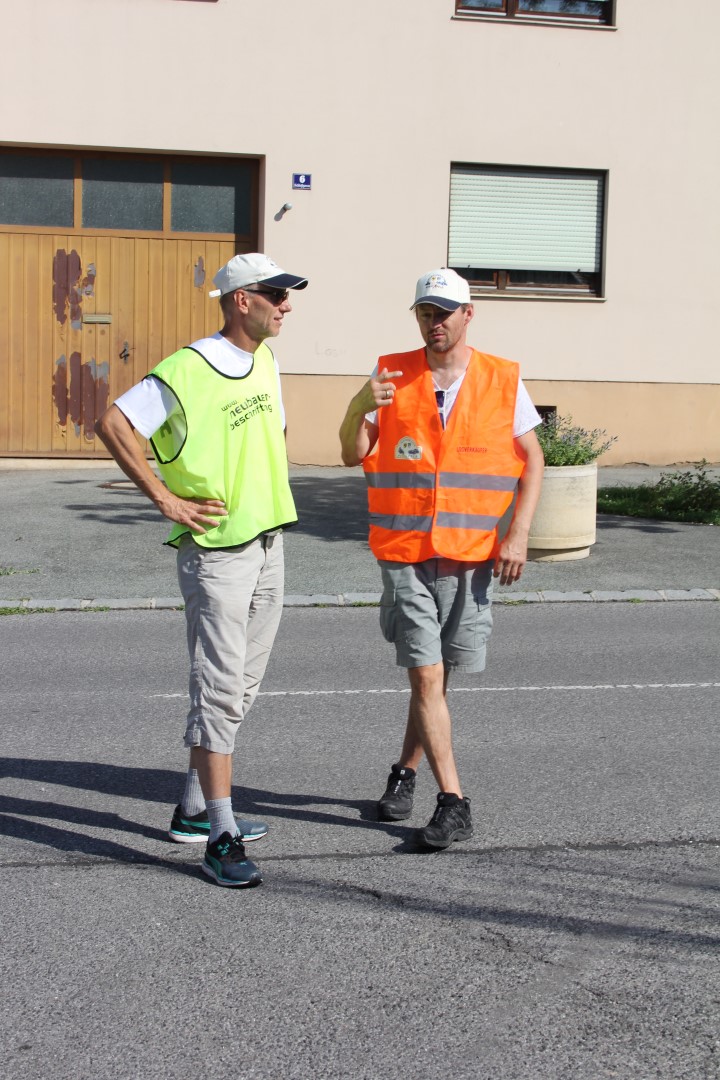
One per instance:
[(397, 802), (451, 821), (196, 829), (225, 861)]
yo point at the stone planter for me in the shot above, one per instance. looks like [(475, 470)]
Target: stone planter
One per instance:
[(564, 523)]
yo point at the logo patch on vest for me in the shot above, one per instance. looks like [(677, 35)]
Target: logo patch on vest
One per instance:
[(408, 450)]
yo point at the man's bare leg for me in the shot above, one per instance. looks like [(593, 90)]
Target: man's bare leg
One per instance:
[(214, 772), (428, 728), (215, 776), (412, 749)]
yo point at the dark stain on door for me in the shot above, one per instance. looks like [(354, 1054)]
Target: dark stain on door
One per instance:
[(80, 392)]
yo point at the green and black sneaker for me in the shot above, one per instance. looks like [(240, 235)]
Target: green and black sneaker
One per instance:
[(226, 863), (185, 829)]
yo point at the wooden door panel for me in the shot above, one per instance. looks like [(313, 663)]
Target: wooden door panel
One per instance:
[(80, 381), (16, 344), (5, 378), (62, 363)]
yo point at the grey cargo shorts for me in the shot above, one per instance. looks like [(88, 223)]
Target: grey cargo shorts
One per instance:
[(437, 611)]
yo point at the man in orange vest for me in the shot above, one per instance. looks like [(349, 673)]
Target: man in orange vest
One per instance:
[(446, 437)]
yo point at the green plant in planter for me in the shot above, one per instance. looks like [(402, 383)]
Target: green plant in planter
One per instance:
[(563, 443)]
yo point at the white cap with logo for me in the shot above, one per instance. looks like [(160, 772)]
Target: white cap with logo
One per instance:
[(253, 269), (443, 288)]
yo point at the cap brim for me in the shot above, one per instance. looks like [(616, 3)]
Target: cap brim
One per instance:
[(438, 301), (284, 281)]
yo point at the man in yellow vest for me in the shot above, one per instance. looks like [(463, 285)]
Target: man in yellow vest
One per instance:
[(446, 437), (214, 415)]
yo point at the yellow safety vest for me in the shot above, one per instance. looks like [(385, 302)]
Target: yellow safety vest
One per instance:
[(229, 444)]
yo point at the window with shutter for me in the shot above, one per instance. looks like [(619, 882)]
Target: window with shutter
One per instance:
[(522, 230)]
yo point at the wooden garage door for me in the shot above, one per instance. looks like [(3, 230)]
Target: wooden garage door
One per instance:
[(88, 310)]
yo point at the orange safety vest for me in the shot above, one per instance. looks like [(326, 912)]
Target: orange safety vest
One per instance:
[(435, 492)]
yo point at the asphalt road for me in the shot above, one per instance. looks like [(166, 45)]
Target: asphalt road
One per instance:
[(575, 937)]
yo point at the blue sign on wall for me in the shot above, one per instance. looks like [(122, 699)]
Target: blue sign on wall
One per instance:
[(302, 181)]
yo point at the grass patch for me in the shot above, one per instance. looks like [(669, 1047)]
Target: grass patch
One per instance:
[(25, 610), (692, 495), (6, 571), (47, 610)]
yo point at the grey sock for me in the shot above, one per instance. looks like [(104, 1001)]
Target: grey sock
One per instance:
[(193, 801), (221, 818)]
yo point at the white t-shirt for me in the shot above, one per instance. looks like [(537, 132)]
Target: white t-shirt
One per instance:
[(149, 403), (526, 415)]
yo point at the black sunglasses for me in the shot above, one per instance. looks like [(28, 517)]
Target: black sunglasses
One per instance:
[(275, 296)]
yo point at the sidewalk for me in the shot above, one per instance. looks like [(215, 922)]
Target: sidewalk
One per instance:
[(82, 537)]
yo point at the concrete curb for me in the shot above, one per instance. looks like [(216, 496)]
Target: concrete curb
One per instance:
[(174, 603)]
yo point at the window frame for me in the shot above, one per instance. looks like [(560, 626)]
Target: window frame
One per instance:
[(496, 283), (511, 14), (167, 160)]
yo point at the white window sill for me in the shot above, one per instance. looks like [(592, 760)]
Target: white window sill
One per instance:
[(535, 298), (486, 16)]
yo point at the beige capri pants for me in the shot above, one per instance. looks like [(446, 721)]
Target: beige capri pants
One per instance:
[(233, 603)]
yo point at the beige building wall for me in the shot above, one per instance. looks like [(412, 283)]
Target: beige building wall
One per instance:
[(654, 423), (375, 100)]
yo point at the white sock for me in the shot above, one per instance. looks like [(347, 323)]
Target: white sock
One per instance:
[(193, 801), (221, 818)]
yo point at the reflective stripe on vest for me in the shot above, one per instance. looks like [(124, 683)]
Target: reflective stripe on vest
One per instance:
[(446, 520), (401, 522), (446, 479)]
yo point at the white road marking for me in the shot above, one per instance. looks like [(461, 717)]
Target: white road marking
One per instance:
[(483, 689)]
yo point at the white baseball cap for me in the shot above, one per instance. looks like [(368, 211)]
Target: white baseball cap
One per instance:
[(443, 288), (253, 269)]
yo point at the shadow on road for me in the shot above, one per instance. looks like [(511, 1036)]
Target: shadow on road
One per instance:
[(331, 510), (639, 916), (643, 525)]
